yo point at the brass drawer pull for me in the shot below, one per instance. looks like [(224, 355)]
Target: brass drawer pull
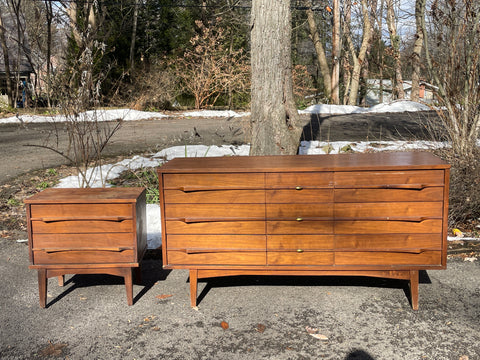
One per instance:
[(299, 250), (299, 219), (298, 188)]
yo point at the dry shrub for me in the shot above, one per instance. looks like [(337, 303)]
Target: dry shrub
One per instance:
[(464, 200)]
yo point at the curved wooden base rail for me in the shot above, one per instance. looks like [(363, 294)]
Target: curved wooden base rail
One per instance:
[(379, 214)]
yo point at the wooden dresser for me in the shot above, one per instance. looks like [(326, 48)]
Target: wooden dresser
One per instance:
[(86, 231), (380, 214)]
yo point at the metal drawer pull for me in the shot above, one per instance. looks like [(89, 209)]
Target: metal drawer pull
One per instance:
[(299, 250), (298, 188), (299, 219)]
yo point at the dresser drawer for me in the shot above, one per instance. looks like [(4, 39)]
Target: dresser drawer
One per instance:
[(225, 242), (300, 242), (299, 180), (389, 195), (214, 212), (215, 197), (390, 179), (300, 258), (49, 212), (214, 181), (74, 256), (83, 227), (384, 210), (301, 196), (216, 258), (100, 240), (428, 226), (215, 227), (383, 258), (314, 227), (299, 211), (389, 241)]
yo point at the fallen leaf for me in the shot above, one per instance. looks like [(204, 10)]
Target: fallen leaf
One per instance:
[(319, 336), (463, 357), (311, 330), (53, 349), (163, 296), (457, 233), (261, 328), (224, 325)]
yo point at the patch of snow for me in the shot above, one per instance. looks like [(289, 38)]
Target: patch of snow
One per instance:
[(202, 151), (214, 113)]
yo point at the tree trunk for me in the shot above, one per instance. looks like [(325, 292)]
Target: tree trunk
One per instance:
[(417, 49), (336, 48), (395, 43), (358, 60), (320, 50), (274, 116), (6, 60), (134, 36)]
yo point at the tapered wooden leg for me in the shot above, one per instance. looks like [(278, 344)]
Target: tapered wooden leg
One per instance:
[(61, 280), (193, 287), (414, 288), (129, 285), (42, 287)]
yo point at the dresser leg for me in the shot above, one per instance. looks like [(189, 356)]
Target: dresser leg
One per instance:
[(61, 280), (42, 287), (414, 288), (193, 287), (127, 275)]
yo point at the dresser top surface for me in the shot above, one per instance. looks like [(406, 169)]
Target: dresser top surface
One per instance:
[(91, 195), (337, 162)]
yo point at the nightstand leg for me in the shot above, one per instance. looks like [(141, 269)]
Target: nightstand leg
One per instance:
[(128, 285), (414, 288), (193, 287), (42, 287)]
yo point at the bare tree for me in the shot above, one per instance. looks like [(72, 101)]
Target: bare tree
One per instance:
[(358, 59), (455, 70), (274, 116), (6, 61), (417, 49), (336, 49), (397, 84)]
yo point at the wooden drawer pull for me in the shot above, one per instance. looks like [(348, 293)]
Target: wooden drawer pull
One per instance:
[(55, 250), (103, 218)]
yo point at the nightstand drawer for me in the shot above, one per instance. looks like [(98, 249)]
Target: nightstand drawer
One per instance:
[(80, 211), (83, 226), (61, 255), (87, 240)]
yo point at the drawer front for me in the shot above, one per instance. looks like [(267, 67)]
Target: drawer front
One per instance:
[(216, 258), (300, 179), (389, 195), (388, 227), (389, 178), (300, 227), (217, 242), (389, 210), (300, 242), (41, 257), (96, 240), (82, 211), (388, 258), (82, 227), (303, 258), (214, 181), (216, 227), (299, 211), (300, 196), (210, 212), (215, 197), (389, 241)]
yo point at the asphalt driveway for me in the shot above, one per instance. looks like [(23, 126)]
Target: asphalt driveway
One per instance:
[(267, 317)]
